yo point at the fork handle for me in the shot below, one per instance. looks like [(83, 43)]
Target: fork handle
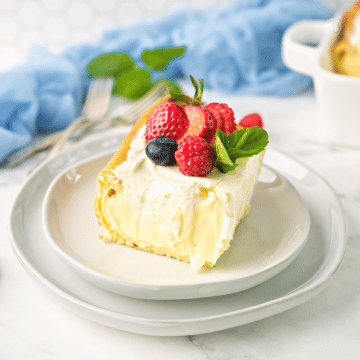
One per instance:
[(65, 135), (28, 151), (61, 141), (41, 145)]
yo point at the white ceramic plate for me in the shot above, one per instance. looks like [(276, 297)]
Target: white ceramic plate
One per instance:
[(265, 243), (304, 278)]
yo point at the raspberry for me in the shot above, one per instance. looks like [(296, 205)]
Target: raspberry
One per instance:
[(195, 156), (167, 120), (250, 120)]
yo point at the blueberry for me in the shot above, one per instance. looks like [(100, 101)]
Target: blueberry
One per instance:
[(161, 150)]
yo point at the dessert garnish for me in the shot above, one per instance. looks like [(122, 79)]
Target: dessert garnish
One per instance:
[(228, 124), (168, 119), (161, 209), (206, 135), (250, 120), (195, 156), (201, 121), (161, 150), (241, 143), (215, 111)]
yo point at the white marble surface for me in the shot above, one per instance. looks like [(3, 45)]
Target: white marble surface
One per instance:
[(34, 326)]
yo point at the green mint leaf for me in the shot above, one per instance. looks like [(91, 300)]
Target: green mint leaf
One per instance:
[(233, 139), (224, 168), (223, 138), (234, 154), (239, 144), (223, 161), (108, 65), (158, 59), (252, 141), (132, 83)]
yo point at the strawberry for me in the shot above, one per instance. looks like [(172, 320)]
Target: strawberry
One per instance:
[(195, 156), (167, 119), (227, 114), (201, 122), (250, 120), (214, 109), (224, 116)]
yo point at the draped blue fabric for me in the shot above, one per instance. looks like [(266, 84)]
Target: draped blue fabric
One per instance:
[(236, 50)]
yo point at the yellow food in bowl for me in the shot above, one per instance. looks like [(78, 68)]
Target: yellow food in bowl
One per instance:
[(346, 51)]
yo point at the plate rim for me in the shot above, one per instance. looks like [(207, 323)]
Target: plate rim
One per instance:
[(161, 327)]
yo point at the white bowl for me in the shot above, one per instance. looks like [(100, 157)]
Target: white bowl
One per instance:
[(337, 95)]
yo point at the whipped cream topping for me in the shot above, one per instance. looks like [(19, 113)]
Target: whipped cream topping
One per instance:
[(194, 217)]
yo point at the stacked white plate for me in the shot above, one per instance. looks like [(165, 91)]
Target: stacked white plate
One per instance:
[(284, 253)]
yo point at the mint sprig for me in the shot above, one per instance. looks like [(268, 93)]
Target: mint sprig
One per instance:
[(158, 59), (109, 65), (132, 83), (239, 144), (131, 80)]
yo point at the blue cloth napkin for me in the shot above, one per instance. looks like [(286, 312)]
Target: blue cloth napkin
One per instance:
[(236, 50)]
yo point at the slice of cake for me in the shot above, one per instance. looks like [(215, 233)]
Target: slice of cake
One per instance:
[(175, 187)]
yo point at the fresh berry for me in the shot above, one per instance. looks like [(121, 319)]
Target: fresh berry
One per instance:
[(201, 122), (195, 156), (227, 114), (224, 116), (167, 119), (214, 109), (161, 150), (251, 120)]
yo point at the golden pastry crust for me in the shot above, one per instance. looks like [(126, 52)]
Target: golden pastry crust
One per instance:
[(121, 154), (110, 185), (106, 180)]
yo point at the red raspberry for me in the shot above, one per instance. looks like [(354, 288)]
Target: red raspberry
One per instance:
[(167, 120), (195, 156), (250, 120)]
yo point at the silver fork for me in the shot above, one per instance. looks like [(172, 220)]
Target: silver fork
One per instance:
[(96, 105), (84, 126)]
